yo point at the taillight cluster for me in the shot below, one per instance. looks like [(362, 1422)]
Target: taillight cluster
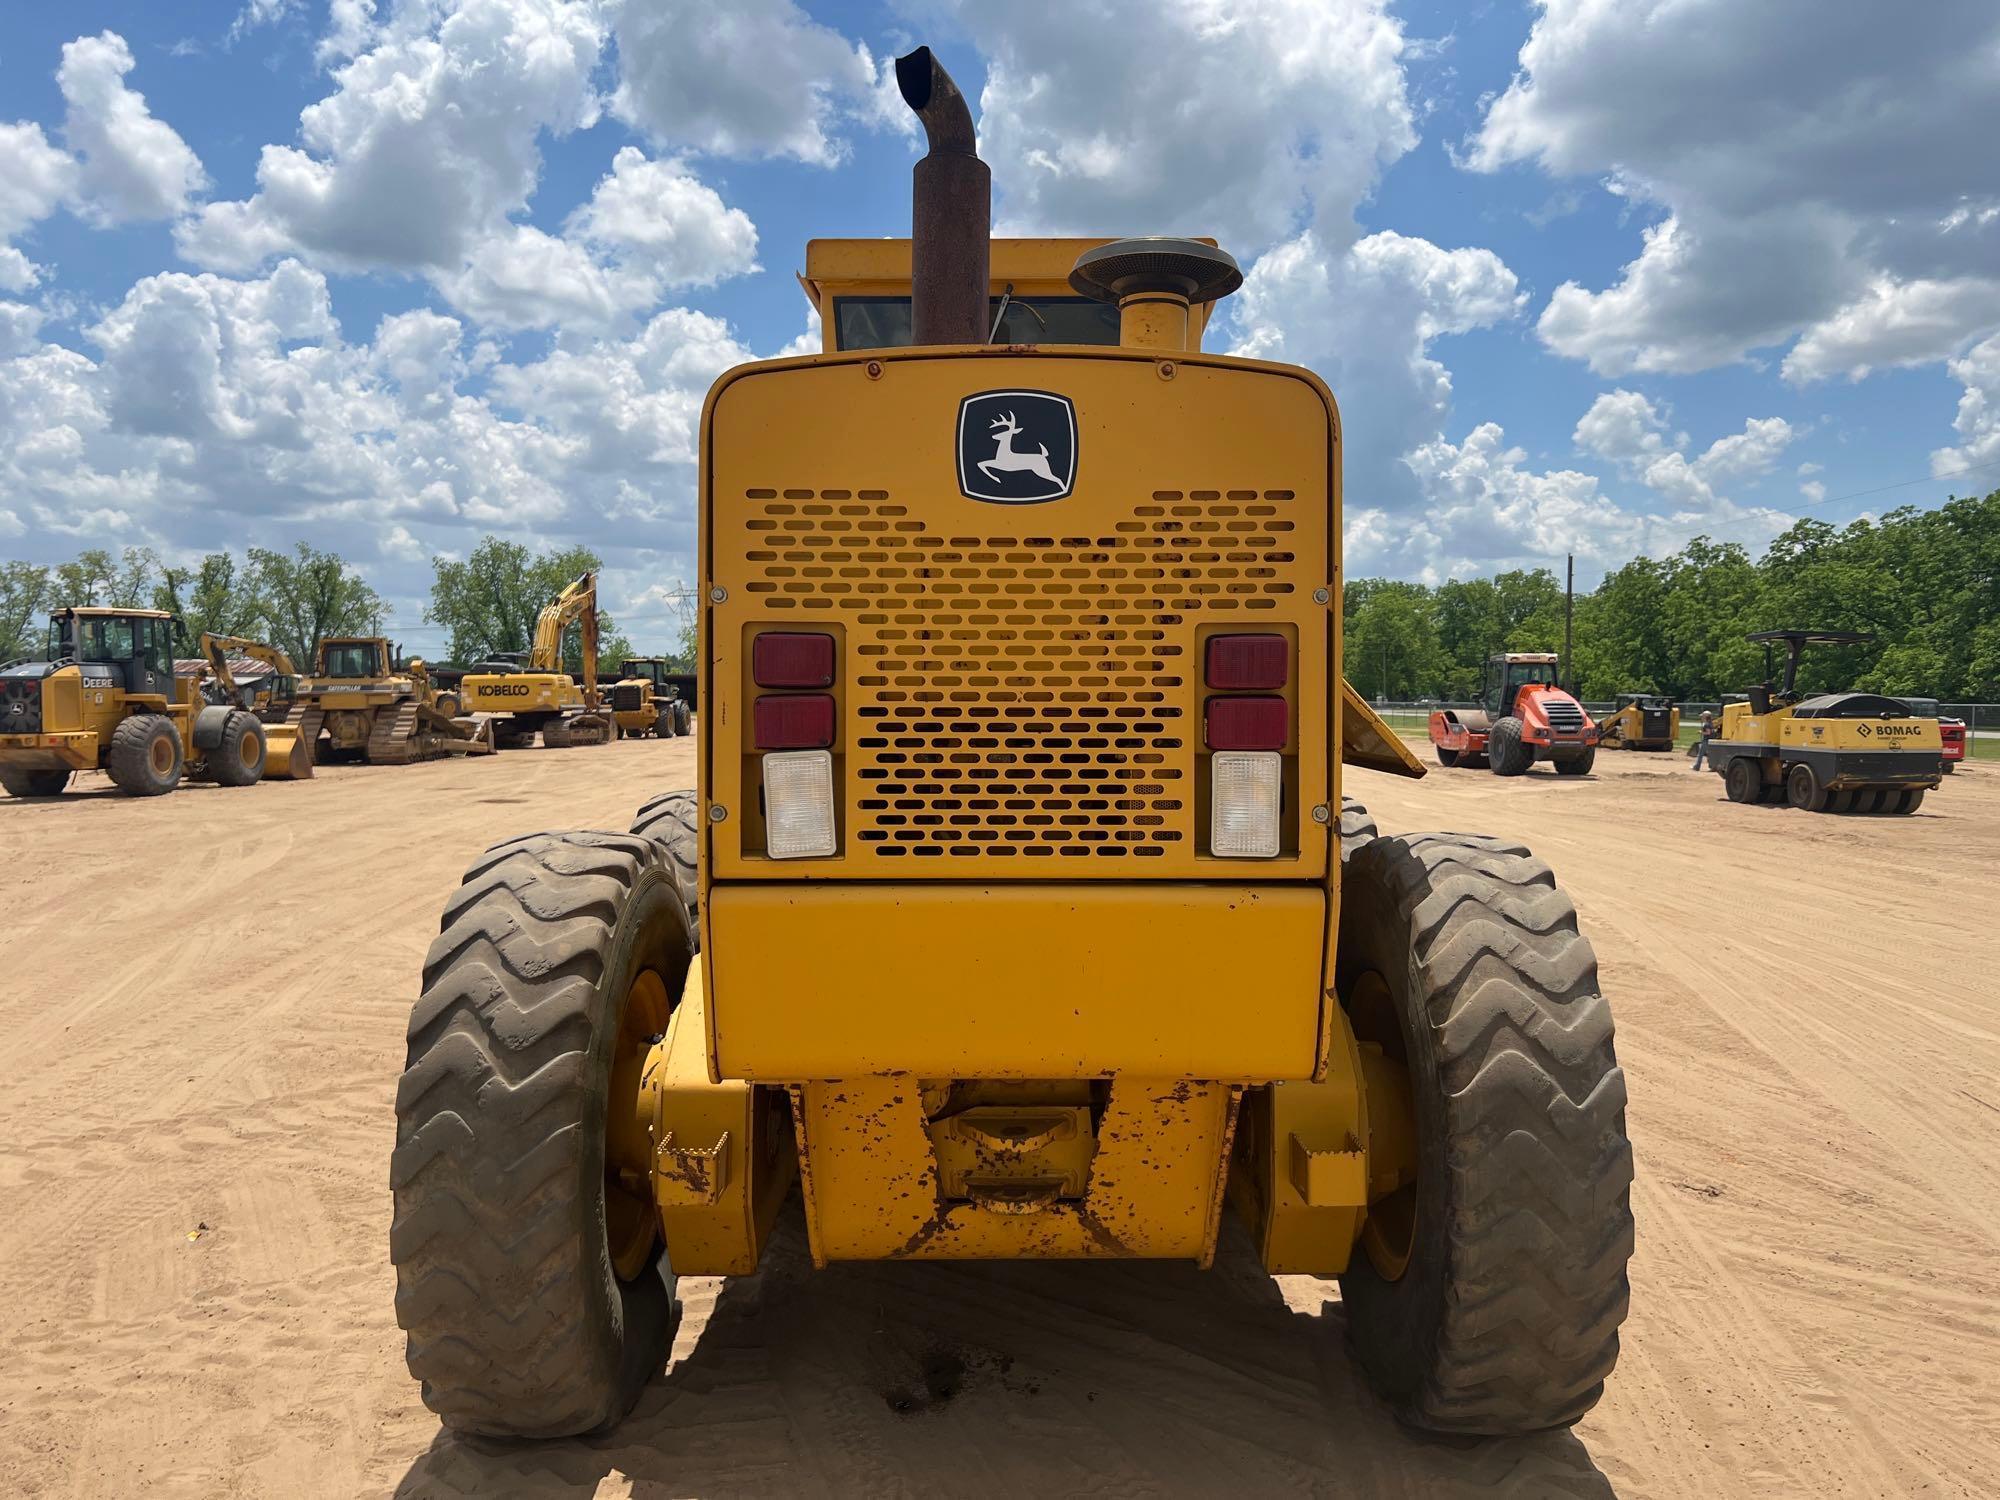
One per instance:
[(793, 723), (1246, 724)]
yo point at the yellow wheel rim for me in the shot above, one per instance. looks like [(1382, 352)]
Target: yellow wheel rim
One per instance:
[(246, 749), (1389, 1233), (631, 1217), (162, 754)]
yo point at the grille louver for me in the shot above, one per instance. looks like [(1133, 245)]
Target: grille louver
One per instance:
[(1022, 695)]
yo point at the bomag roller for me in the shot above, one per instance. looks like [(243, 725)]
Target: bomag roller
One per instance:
[(105, 698), (1019, 912), (1832, 752), (1524, 716), (364, 706), (1640, 721)]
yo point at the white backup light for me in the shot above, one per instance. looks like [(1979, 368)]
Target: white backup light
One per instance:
[(798, 805), (1245, 790)]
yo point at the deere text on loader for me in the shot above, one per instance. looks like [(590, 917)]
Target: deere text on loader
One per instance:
[(105, 698), (531, 693), (1831, 752), (1524, 716), (364, 706), (1019, 912)]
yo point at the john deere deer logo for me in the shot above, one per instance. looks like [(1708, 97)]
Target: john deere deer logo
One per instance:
[(1016, 447)]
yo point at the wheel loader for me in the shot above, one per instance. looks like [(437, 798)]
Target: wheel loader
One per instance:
[(363, 706), (1019, 911), (104, 697), (644, 700), (1829, 752), (1524, 716), (1640, 721), (530, 693)]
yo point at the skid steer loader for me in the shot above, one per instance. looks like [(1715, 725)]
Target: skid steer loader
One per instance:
[(1019, 912)]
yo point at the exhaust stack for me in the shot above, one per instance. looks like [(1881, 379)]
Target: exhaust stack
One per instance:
[(951, 212)]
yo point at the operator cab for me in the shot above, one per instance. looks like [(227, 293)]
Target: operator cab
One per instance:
[(1507, 675), (350, 659), (134, 646)]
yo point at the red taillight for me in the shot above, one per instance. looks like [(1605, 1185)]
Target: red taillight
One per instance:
[(1248, 663), (1247, 723), (791, 659), (800, 722)]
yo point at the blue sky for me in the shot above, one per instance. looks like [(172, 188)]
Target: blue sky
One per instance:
[(390, 276)]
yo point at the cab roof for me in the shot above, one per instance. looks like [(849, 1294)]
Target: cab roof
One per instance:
[(93, 611)]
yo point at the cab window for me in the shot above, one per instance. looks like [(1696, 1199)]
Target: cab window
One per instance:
[(106, 639), (885, 322), (351, 659)]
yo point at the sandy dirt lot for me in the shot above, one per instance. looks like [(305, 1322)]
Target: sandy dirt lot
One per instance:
[(203, 1016)]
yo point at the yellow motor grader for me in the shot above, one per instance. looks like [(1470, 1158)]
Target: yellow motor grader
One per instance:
[(1019, 911), (530, 693), (364, 706), (104, 697)]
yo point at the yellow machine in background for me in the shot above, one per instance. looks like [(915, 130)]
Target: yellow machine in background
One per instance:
[(1641, 721), (644, 702), (534, 694), (1019, 912), (105, 698), (1834, 752), (287, 755), (364, 705)]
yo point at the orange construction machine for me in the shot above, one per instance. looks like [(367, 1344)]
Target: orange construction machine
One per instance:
[(1524, 716)]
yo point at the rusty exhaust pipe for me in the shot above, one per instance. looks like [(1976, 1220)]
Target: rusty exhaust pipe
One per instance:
[(951, 210)]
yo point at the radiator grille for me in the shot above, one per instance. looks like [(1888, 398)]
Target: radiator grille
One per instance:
[(1563, 715), (1022, 695)]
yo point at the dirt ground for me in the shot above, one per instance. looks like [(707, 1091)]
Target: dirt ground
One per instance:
[(203, 1016)]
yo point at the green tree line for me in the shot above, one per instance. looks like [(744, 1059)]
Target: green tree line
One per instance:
[(1924, 583)]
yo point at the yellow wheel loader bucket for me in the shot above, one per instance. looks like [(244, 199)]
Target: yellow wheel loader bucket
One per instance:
[(287, 757)]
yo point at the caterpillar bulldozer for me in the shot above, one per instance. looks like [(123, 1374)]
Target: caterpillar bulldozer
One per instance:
[(1019, 911), (645, 701), (365, 707), (530, 693), (1640, 721), (1524, 716), (104, 697), (1830, 752)]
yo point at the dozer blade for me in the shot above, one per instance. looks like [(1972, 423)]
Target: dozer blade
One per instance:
[(1366, 741)]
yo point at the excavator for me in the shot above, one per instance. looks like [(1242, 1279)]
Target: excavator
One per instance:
[(287, 753), (533, 694)]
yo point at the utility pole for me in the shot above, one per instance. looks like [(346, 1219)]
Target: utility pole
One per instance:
[(1567, 676)]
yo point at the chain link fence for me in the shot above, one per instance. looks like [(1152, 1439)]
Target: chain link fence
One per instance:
[(1981, 720)]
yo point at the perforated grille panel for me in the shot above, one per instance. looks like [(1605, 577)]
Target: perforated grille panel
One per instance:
[(1015, 694)]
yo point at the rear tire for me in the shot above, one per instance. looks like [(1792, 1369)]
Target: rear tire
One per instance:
[(1504, 1319), (1946, 766), (672, 820), (1803, 789), (145, 759), (1912, 800), (518, 1324), (20, 783), (1357, 828), (1743, 781), (239, 759), (1508, 754), (664, 726)]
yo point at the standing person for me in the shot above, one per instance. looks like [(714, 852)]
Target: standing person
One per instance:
[(1709, 730)]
